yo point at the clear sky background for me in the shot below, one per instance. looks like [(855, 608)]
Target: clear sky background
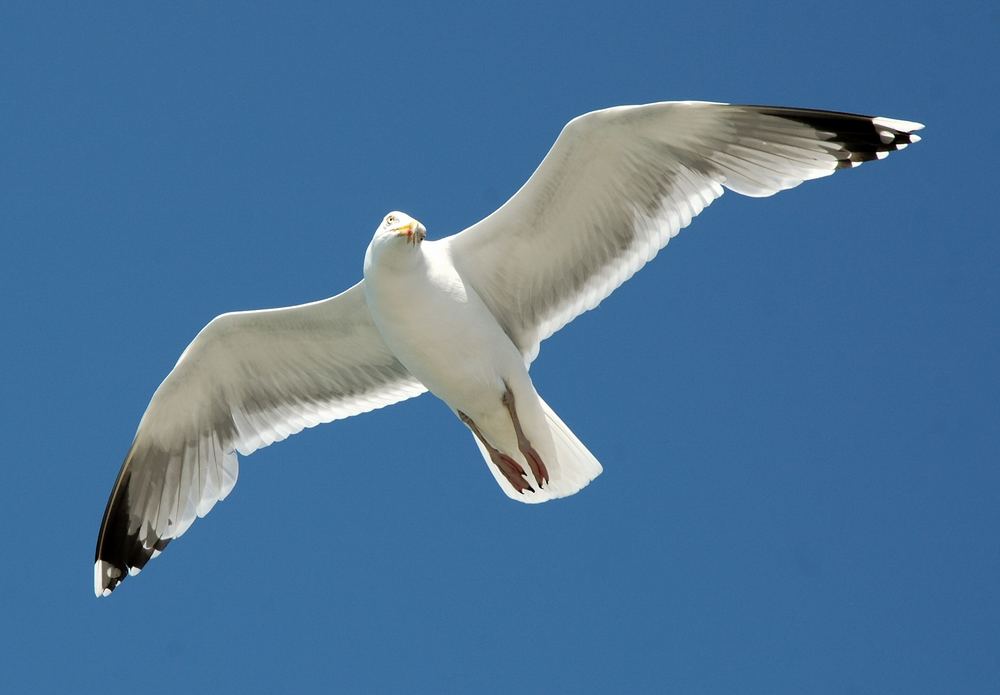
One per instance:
[(797, 403)]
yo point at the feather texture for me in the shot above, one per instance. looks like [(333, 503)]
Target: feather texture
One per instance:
[(247, 380), (619, 183)]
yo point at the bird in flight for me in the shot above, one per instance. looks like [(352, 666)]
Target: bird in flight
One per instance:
[(463, 316)]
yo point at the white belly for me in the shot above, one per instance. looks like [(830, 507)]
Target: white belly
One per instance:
[(442, 332)]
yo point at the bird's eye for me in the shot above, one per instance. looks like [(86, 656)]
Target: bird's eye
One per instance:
[(391, 219)]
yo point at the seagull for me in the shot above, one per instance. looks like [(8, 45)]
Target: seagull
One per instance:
[(463, 316)]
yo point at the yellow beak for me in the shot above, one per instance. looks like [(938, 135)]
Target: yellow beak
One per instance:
[(413, 231)]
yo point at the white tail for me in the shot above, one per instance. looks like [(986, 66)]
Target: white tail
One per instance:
[(572, 470)]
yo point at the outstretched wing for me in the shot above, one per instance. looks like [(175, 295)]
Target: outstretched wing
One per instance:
[(247, 380), (619, 183)]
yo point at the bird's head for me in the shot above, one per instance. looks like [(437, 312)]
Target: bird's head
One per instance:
[(396, 242), (399, 228)]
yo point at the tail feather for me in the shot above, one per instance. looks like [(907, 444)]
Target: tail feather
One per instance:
[(574, 469)]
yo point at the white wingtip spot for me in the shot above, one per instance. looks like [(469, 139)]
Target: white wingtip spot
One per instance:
[(896, 124), (882, 155), (132, 571), (914, 138), (102, 572), (886, 136)]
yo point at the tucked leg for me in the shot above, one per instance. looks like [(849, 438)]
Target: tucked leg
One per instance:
[(510, 468), (530, 455)]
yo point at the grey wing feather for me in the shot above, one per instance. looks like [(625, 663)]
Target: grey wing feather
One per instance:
[(247, 380), (619, 183)]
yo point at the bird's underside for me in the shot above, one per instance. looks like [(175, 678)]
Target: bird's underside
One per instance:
[(508, 467), (616, 186)]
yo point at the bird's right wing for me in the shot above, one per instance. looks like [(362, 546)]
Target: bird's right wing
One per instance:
[(247, 380), (619, 183)]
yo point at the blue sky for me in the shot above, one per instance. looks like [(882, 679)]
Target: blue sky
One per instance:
[(796, 403)]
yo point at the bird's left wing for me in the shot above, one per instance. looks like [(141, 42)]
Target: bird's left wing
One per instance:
[(619, 183), (247, 380)]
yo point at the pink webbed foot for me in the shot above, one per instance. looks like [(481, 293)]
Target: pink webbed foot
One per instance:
[(508, 467), (538, 468)]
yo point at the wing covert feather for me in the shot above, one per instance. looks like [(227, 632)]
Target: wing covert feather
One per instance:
[(248, 379), (619, 183)]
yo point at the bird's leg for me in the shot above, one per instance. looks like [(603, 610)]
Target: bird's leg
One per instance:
[(510, 468), (530, 455)]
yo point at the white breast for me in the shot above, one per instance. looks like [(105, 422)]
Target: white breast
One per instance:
[(437, 325)]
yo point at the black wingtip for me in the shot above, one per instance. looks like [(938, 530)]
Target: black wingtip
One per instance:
[(120, 551), (861, 138)]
